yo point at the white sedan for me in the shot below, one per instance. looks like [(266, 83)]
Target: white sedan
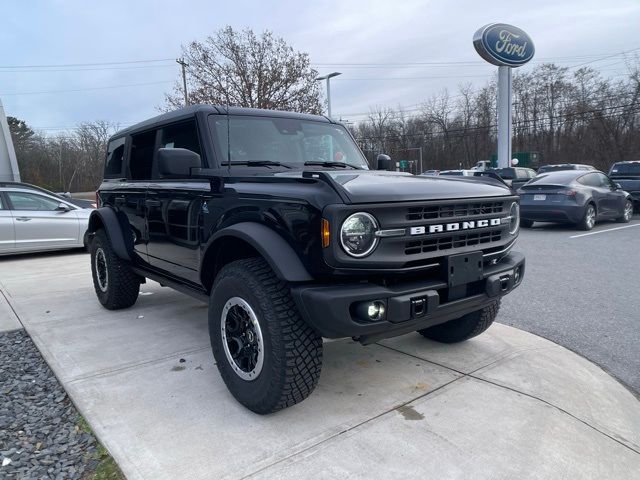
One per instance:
[(34, 220)]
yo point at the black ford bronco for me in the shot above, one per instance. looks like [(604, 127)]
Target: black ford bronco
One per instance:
[(276, 221)]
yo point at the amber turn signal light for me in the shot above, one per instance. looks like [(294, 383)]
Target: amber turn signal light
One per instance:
[(326, 233)]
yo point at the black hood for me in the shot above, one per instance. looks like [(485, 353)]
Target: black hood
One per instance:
[(370, 186)]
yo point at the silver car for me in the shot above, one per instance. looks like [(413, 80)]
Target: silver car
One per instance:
[(34, 220)]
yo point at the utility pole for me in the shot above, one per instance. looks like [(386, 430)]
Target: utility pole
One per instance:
[(184, 65), (328, 79)]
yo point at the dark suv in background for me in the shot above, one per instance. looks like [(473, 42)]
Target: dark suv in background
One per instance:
[(275, 220)]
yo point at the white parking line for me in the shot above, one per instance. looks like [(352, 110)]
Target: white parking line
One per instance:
[(604, 231)]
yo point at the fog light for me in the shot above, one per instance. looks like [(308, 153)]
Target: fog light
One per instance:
[(516, 275), (376, 310)]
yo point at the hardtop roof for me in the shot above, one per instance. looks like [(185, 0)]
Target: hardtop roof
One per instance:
[(181, 113)]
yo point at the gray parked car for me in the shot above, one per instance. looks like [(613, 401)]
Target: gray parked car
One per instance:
[(581, 197), (32, 220)]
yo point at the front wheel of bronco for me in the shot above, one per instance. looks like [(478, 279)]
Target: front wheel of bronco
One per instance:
[(463, 328), (114, 281), (267, 355)]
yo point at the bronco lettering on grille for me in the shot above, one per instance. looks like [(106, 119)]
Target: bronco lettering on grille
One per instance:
[(452, 227)]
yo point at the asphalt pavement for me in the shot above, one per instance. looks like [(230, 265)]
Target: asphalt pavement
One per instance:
[(581, 290)]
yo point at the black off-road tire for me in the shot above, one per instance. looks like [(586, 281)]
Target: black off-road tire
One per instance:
[(463, 328), (524, 223), (292, 349), (627, 213), (122, 284)]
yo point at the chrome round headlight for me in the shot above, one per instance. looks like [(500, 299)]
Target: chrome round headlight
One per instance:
[(357, 234), (514, 221)]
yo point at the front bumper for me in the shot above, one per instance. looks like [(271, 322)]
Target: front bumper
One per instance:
[(334, 311)]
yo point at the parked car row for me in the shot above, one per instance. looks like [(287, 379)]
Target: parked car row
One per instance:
[(568, 192), (34, 219)]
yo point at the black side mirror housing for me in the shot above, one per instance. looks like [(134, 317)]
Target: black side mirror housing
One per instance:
[(177, 162), (383, 162)]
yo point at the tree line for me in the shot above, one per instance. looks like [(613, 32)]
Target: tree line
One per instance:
[(566, 116), (71, 162)]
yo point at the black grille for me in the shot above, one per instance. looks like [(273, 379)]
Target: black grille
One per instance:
[(453, 241), (454, 210)]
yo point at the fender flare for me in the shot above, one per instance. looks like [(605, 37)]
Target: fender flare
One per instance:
[(280, 256), (108, 219)]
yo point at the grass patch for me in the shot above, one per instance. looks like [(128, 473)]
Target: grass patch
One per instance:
[(105, 467)]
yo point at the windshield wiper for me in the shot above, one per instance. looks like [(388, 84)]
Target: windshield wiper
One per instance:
[(258, 163), (332, 164)]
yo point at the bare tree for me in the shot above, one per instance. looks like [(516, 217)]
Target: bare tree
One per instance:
[(248, 70)]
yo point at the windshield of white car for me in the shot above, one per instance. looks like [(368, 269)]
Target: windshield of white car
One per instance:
[(289, 141)]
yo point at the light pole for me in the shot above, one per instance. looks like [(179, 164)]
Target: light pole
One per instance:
[(328, 78), (420, 160)]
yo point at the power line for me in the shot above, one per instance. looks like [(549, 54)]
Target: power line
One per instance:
[(95, 64), (87, 89)]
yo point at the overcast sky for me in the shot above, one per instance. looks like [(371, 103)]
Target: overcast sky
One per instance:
[(332, 32)]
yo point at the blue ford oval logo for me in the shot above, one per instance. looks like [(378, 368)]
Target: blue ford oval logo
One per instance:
[(503, 45)]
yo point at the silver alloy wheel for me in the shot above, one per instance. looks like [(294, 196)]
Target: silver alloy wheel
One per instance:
[(102, 275), (591, 216), (628, 211), (242, 338)]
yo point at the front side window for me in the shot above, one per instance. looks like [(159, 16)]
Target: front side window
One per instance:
[(115, 157), (285, 140), (181, 135), (32, 201), (141, 158)]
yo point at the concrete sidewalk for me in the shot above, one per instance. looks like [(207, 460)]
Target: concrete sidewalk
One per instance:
[(507, 404)]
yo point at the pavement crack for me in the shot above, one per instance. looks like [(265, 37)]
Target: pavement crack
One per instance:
[(566, 412), (344, 431), (110, 371), (12, 308)]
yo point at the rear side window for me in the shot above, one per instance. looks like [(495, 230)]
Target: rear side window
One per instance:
[(591, 180), (141, 158), (1, 203), (181, 135), (115, 157)]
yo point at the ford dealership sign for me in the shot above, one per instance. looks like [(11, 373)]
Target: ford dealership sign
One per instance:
[(503, 45)]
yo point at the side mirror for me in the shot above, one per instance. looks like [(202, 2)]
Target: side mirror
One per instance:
[(618, 186), (383, 162), (63, 207), (177, 162)]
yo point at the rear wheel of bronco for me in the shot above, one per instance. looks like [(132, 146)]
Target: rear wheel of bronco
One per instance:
[(463, 328), (114, 281), (267, 355)]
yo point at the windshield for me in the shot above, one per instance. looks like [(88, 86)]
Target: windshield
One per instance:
[(286, 140), (620, 169), (506, 173), (554, 168)]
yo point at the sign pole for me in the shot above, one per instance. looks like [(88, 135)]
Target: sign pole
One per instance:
[(504, 116), (507, 47)]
